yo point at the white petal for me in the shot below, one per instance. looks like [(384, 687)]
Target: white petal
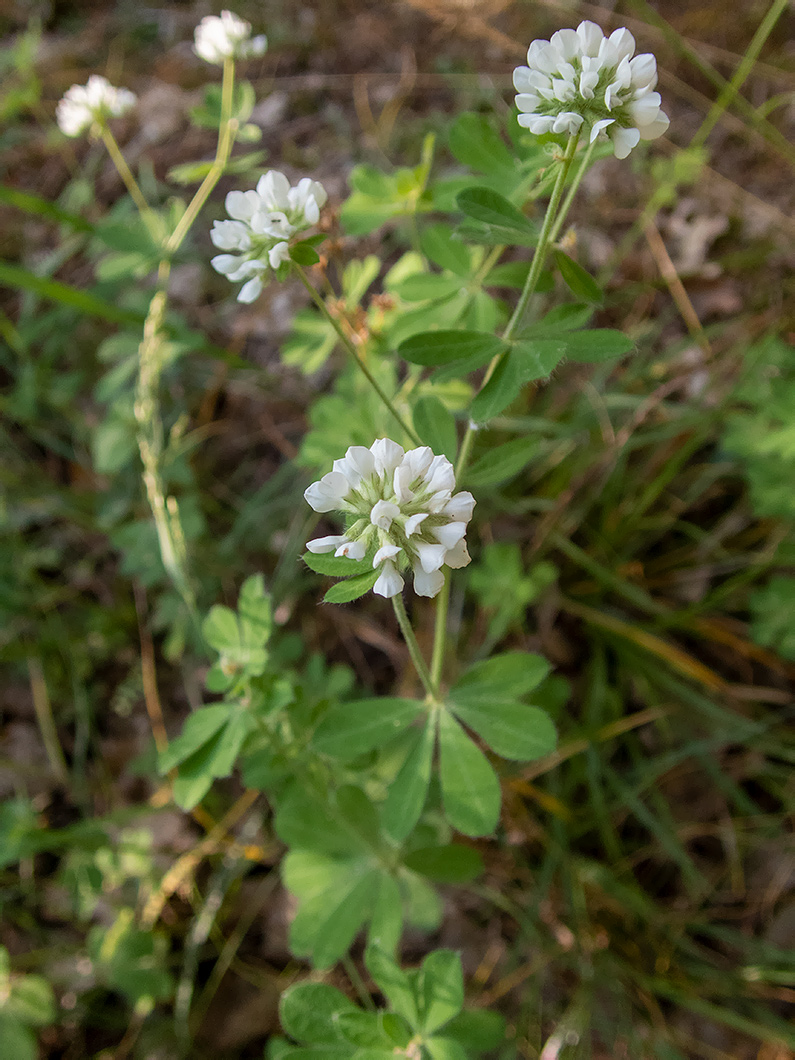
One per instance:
[(387, 455), (643, 71), (225, 263), (440, 475), (458, 557), (591, 37), (419, 460), (655, 128), (359, 464), (427, 584), (352, 549), (274, 189), (400, 483), (413, 522), (389, 582), (431, 557), (567, 43), (450, 533), (250, 291), (326, 544), (567, 121), (278, 254), (383, 513), (623, 44), (460, 507), (600, 126), (385, 552), (327, 494), (623, 140)]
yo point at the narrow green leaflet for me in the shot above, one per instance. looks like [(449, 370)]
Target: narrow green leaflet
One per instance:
[(55, 291), (409, 790), (477, 1029), (442, 989), (537, 358), (476, 144), (514, 730), (438, 245), (335, 566), (351, 589), (597, 345), (435, 425), (470, 788), (503, 387), (199, 727), (386, 923), (325, 926), (352, 729), (506, 224), (424, 286), (394, 984), (434, 348), (503, 462), (304, 254), (304, 822), (580, 283), (452, 863), (511, 674)]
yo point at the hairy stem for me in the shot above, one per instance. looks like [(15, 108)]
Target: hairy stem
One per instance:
[(412, 645), (130, 183), (349, 346)]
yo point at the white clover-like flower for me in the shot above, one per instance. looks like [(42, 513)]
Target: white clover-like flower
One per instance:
[(226, 37), (582, 81), (401, 510), (93, 103), (263, 223)]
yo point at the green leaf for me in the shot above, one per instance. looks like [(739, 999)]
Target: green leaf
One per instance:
[(435, 425), (514, 274), (597, 345), (393, 983), (580, 283), (470, 788), (34, 204), (537, 358), (509, 675), (336, 566), (409, 790), (476, 144), (55, 291), (504, 220), (433, 348), (308, 1011), (199, 727), (304, 254), (352, 589), (451, 863), (303, 822), (220, 629), (424, 286), (503, 387), (437, 244), (502, 463), (16, 1040), (352, 729), (442, 989), (336, 917), (514, 730), (255, 612), (386, 924), (358, 814), (477, 1029), (445, 1049)]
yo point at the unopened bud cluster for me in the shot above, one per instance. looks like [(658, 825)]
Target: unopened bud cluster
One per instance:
[(582, 81), (263, 223), (401, 510)]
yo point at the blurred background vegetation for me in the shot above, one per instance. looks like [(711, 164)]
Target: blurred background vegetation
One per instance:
[(640, 899)]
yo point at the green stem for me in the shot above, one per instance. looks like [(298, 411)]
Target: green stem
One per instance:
[(130, 183), (574, 187), (549, 230), (346, 342), (412, 645), (226, 138), (730, 90), (440, 634)]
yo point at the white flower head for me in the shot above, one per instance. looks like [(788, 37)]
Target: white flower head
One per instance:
[(226, 37), (582, 81), (91, 104), (264, 220), (401, 512)]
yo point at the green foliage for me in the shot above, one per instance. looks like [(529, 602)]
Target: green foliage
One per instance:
[(773, 616), (26, 1002)]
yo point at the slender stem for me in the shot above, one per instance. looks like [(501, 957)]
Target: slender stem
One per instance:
[(730, 90), (226, 137), (574, 187), (46, 721), (440, 634), (130, 183), (549, 230), (346, 342), (412, 645)]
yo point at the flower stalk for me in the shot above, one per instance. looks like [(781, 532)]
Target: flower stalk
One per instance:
[(413, 646)]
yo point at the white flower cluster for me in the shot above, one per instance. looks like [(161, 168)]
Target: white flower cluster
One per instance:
[(582, 80), (228, 37), (401, 508), (84, 105), (263, 222)]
